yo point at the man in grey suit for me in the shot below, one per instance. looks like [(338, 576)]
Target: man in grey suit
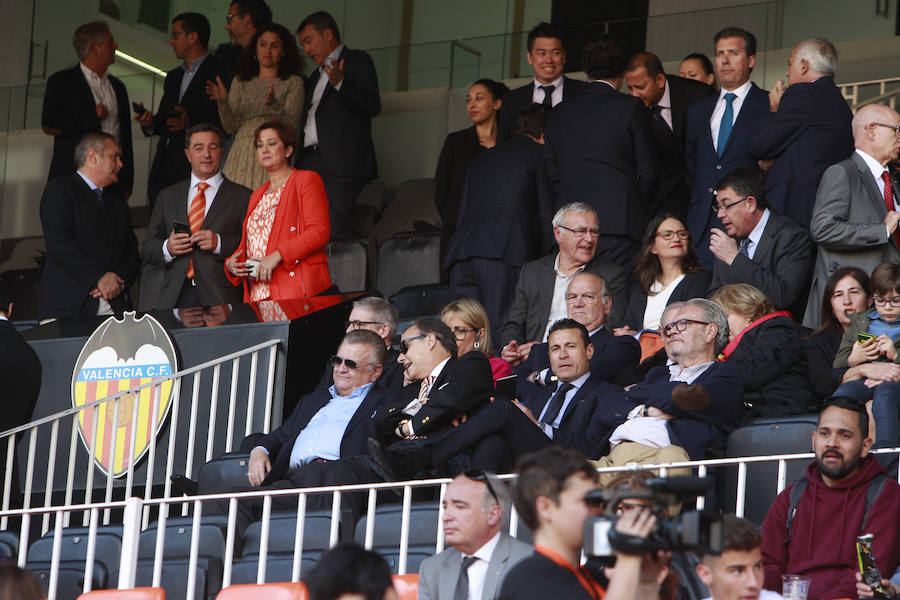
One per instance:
[(194, 226), (476, 505), (540, 296), (854, 219)]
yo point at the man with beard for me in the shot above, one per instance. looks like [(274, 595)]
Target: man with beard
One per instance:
[(812, 530)]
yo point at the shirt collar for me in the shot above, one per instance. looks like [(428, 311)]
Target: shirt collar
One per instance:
[(4, 318), (560, 273), (487, 550), (687, 374), (591, 333), (359, 392), (215, 182), (194, 65), (555, 83), (333, 56), (87, 180), (666, 100), (576, 383), (757, 232), (874, 166), (91, 74), (740, 92), (437, 370)]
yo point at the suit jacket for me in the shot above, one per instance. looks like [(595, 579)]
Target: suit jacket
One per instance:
[(170, 165), (161, 282), (459, 150), (438, 574), (20, 371), (809, 132), (69, 107), (85, 239), (507, 207), (599, 149), (673, 192), (780, 266), (464, 385), (611, 355), (705, 168), (848, 227), (280, 443), (227, 56), (527, 317), (344, 117), (579, 410), (694, 285), (515, 100)]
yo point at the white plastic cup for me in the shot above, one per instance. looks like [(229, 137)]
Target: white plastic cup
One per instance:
[(795, 587)]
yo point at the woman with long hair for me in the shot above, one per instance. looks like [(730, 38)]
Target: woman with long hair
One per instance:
[(469, 323)]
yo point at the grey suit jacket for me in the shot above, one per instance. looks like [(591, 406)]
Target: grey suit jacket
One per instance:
[(848, 226), (528, 314), (438, 574), (161, 282)]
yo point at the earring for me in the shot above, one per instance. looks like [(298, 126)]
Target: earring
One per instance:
[(477, 342)]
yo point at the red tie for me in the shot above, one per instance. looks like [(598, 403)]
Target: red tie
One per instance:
[(889, 201), (195, 218)]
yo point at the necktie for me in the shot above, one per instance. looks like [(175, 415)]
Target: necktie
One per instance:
[(99, 192), (462, 584), (548, 95), (556, 403), (425, 387), (195, 218), (744, 248), (889, 201), (656, 111), (726, 123)]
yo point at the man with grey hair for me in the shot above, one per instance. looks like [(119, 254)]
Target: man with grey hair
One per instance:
[(808, 129), (87, 98), (476, 506), (855, 216), (540, 296)]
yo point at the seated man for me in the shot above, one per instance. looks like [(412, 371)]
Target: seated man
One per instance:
[(812, 526), (539, 299), (476, 505), (766, 250)]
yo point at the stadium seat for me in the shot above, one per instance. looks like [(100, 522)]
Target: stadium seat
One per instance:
[(422, 300), (269, 591), (174, 579), (223, 474), (369, 206), (279, 567), (73, 553), (407, 586), (348, 263), (408, 259), (141, 593), (412, 209), (423, 529), (9, 544), (176, 557)]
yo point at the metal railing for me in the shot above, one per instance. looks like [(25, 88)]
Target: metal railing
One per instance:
[(860, 93)]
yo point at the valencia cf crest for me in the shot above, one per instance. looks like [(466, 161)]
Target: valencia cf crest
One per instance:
[(118, 356)]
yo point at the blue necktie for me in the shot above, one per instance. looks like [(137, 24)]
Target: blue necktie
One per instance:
[(745, 247), (726, 123), (99, 192)]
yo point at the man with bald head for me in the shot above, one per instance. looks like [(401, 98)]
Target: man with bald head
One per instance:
[(855, 217)]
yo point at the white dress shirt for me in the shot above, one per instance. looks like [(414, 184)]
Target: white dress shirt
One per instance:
[(310, 133), (736, 104), (665, 105), (477, 571), (558, 309), (104, 94), (756, 234), (657, 300), (537, 94), (214, 182)]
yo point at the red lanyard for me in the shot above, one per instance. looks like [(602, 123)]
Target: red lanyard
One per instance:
[(583, 576), (729, 349)]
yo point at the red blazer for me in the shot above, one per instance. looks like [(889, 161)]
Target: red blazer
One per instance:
[(300, 232)]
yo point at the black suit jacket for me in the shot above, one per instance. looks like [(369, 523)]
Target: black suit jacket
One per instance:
[(160, 282), (170, 165), (69, 107), (705, 168), (809, 133), (694, 285), (361, 427), (780, 267), (526, 320), (344, 117), (464, 385), (507, 206), (599, 149), (611, 355), (85, 239), (673, 194), (517, 99), (580, 409), (459, 150), (20, 371)]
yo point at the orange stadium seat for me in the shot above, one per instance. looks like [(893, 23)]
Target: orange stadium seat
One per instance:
[(407, 586), (269, 591), (141, 593)]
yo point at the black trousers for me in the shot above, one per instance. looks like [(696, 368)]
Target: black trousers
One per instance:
[(491, 282), (342, 193), (618, 249)]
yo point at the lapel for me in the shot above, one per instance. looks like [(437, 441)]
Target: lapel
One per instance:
[(88, 196), (578, 397), (546, 278), (328, 89), (496, 567), (869, 183), (442, 378), (766, 241), (366, 408), (676, 108), (219, 202), (748, 105), (450, 573), (83, 90), (179, 202)]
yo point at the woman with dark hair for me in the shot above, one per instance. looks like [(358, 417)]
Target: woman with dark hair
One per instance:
[(697, 65), (282, 251), (665, 271), (267, 88), (846, 292), (483, 101)]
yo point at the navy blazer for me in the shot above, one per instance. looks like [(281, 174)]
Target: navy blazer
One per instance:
[(809, 133), (612, 354), (706, 168), (361, 427), (579, 410), (515, 100)]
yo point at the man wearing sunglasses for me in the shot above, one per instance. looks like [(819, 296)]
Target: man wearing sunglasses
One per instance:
[(476, 506)]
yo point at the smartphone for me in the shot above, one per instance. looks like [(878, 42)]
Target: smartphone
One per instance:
[(506, 387), (182, 228), (864, 336), (138, 109), (173, 114)]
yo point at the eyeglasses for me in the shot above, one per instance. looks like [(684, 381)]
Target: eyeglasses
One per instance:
[(231, 16), (880, 301), (586, 298), (358, 324), (460, 333), (896, 128), (479, 475), (582, 231), (680, 325), (404, 343), (716, 207), (337, 360), (668, 234)]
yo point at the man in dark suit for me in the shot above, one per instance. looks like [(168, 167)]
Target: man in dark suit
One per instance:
[(720, 129), (540, 296), (92, 255), (87, 98), (808, 130), (244, 18), (504, 218), (547, 58), (599, 150), (668, 98), (184, 102), (341, 100), (20, 370), (188, 269), (767, 250)]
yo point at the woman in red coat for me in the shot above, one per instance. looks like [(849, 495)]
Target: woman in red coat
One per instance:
[(282, 251)]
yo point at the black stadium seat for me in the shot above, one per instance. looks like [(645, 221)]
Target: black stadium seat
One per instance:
[(408, 259), (348, 263), (422, 300), (423, 529), (73, 552), (176, 558)]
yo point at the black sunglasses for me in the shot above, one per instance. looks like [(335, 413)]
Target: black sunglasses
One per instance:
[(404, 343), (337, 360), (479, 475)]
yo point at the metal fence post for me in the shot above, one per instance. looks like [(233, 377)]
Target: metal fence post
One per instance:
[(131, 530)]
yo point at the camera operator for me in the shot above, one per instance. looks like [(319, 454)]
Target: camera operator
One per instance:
[(550, 499), (736, 573)]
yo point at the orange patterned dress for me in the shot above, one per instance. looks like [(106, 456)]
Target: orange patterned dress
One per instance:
[(259, 227)]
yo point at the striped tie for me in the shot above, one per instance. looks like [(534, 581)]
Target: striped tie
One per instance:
[(426, 386), (195, 218)]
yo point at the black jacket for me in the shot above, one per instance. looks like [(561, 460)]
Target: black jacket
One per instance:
[(694, 285), (459, 150), (515, 100), (611, 355), (20, 371), (820, 350)]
